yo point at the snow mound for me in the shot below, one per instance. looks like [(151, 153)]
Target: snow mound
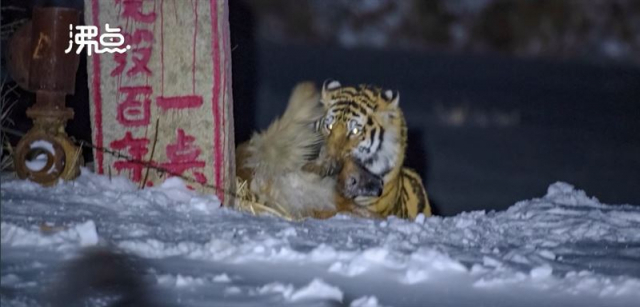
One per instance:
[(564, 248), (365, 301), (317, 289), (83, 234)]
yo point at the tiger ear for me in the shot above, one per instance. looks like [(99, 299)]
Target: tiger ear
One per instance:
[(392, 97), (328, 86)]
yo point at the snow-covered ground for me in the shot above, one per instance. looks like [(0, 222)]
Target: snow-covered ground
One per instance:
[(563, 249)]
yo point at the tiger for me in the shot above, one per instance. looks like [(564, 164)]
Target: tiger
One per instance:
[(365, 123), (270, 174)]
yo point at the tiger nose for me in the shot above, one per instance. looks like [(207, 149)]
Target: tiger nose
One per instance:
[(352, 181)]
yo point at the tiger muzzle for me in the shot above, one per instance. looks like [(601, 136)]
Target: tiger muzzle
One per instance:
[(360, 182)]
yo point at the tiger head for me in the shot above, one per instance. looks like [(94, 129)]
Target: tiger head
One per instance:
[(365, 123)]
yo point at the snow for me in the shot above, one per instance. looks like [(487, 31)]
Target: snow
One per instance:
[(316, 289), (40, 160), (83, 234), (562, 249), (44, 145), (37, 164), (365, 301)]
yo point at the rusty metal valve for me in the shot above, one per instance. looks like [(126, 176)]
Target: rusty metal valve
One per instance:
[(38, 63)]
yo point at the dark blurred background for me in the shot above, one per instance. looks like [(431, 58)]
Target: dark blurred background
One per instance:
[(502, 97)]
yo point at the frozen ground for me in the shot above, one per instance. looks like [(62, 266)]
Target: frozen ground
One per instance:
[(563, 249)]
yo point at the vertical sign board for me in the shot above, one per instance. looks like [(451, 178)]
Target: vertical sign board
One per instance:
[(176, 71)]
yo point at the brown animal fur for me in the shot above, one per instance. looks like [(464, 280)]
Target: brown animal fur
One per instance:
[(273, 163)]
